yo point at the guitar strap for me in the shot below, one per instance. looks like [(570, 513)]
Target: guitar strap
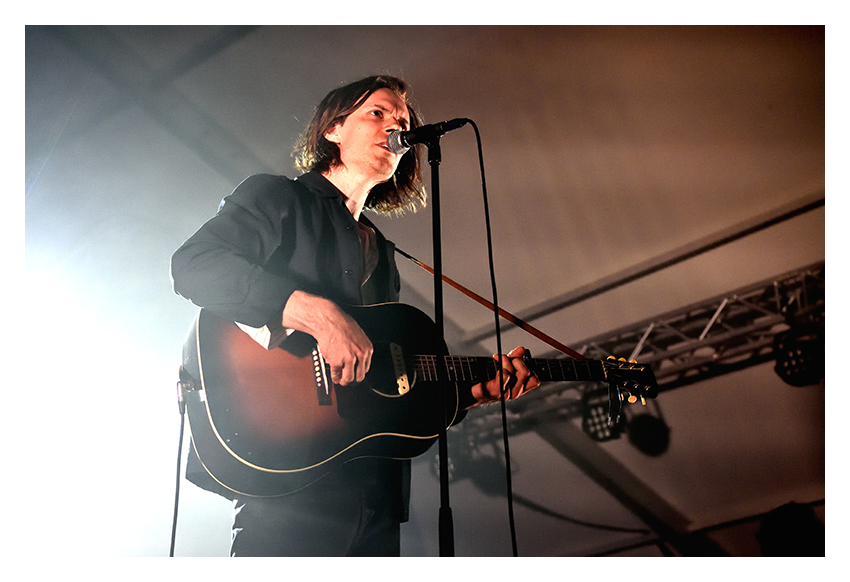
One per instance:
[(615, 396), (489, 305)]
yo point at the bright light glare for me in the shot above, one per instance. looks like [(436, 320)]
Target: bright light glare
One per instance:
[(99, 423)]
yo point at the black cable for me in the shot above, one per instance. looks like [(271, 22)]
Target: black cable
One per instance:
[(546, 511), (509, 492), (177, 486)]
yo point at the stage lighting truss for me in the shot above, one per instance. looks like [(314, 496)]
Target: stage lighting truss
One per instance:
[(726, 333)]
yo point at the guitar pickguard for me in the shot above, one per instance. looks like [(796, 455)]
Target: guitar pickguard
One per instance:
[(401, 376)]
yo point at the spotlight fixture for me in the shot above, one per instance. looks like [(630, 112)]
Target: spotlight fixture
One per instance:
[(649, 434), (800, 355), (595, 417), (800, 351)]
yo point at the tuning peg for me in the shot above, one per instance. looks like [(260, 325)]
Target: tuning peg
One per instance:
[(611, 358), (622, 359), (632, 398), (633, 361)]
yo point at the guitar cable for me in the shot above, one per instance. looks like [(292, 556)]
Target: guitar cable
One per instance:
[(181, 386)]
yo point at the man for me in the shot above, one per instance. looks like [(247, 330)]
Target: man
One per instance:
[(286, 254)]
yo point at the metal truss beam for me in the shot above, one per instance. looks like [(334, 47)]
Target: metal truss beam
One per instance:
[(723, 334)]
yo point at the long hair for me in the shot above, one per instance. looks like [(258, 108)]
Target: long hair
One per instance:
[(405, 191)]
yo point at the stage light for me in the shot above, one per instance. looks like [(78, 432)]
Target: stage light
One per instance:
[(595, 418), (649, 434), (800, 352), (800, 355)]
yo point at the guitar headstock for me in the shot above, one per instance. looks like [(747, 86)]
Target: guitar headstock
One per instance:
[(634, 381)]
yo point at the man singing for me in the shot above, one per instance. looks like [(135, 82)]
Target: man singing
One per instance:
[(288, 253)]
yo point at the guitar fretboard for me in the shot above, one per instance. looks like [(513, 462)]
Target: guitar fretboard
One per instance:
[(480, 369)]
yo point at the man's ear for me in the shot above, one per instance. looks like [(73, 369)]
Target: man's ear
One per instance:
[(332, 135)]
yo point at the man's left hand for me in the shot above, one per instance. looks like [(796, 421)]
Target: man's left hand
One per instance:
[(517, 377)]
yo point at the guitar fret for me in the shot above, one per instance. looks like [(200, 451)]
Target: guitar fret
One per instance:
[(452, 368), (569, 370), (555, 370), (432, 369), (466, 369), (566, 369)]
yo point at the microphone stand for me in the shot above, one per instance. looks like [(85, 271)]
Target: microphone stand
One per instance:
[(446, 524)]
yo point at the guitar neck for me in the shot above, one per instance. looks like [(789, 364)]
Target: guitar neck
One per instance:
[(481, 369)]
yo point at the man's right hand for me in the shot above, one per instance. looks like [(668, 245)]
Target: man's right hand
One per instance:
[(343, 344)]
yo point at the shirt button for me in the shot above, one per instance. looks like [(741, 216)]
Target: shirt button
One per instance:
[(349, 272)]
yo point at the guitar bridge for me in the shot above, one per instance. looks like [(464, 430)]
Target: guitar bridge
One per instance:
[(320, 374)]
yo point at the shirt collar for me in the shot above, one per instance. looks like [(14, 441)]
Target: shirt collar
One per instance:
[(319, 185)]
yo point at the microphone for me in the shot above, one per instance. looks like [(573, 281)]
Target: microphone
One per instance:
[(400, 141)]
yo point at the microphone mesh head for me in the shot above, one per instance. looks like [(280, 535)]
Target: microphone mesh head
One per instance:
[(396, 144)]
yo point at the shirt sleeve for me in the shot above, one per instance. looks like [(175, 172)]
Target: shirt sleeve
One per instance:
[(221, 266)]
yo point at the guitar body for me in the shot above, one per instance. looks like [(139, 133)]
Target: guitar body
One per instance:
[(256, 419)]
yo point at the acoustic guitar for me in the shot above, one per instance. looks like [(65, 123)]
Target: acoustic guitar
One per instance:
[(267, 422)]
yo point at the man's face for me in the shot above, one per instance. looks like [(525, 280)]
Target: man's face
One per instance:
[(362, 137)]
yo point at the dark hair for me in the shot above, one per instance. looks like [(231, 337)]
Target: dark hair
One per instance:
[(405, 191)]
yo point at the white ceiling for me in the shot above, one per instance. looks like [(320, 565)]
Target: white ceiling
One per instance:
[(604, 147)]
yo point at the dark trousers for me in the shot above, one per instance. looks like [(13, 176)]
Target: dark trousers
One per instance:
[(347, 514)]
